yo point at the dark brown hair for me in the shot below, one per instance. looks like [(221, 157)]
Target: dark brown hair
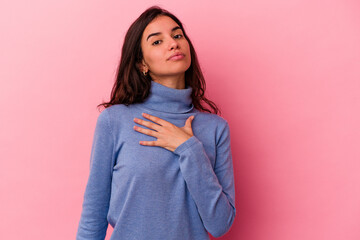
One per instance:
[(131, 86)]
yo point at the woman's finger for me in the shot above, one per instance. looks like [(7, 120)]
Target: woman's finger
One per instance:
[(149, 143), (147, 124), (155, 119), (189, 121), (146, 131)]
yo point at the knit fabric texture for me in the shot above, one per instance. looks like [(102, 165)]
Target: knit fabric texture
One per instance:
[(149, 192)]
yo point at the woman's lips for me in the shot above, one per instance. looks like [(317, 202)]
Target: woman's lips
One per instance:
[(177, 57)]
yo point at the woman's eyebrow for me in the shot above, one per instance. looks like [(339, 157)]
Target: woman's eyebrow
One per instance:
[(158, 33)]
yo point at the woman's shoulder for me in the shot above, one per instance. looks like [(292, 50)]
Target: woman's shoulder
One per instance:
[(116, 111), (211, 119)]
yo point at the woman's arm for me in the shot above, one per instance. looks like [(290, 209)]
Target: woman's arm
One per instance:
[(93, 222), (213, 190)]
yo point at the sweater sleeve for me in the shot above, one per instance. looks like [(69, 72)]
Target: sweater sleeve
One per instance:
[(212, 189), (93, 221)]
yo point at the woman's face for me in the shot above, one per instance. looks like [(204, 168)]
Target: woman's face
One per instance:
[(161, 39)]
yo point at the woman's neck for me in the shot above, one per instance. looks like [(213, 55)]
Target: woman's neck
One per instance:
[(168, 100), (177, 82)]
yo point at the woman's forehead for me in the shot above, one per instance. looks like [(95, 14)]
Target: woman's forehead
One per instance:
[(160, 24)]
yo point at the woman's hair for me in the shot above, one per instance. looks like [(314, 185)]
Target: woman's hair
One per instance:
[(131, 86)]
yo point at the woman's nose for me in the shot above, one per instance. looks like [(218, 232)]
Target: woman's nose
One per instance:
[(173, 44)]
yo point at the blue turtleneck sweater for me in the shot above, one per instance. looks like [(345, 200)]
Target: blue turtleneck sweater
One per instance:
[(149, 192)]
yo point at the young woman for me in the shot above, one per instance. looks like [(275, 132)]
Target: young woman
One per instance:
[(161, 165)]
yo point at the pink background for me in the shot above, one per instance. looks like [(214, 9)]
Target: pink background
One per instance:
[(285, 74)]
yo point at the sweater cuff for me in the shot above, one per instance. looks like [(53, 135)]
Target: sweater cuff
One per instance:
[(187, 144)]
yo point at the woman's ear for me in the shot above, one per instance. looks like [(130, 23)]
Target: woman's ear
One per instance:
[(140, 66), (143, 66)]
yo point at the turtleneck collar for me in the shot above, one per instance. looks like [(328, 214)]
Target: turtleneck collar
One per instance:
[(166, 99)]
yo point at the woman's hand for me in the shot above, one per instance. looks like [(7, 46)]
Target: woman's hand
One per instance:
[(168, 135)]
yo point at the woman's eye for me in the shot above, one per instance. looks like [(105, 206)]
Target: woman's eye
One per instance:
[(177, 36)]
